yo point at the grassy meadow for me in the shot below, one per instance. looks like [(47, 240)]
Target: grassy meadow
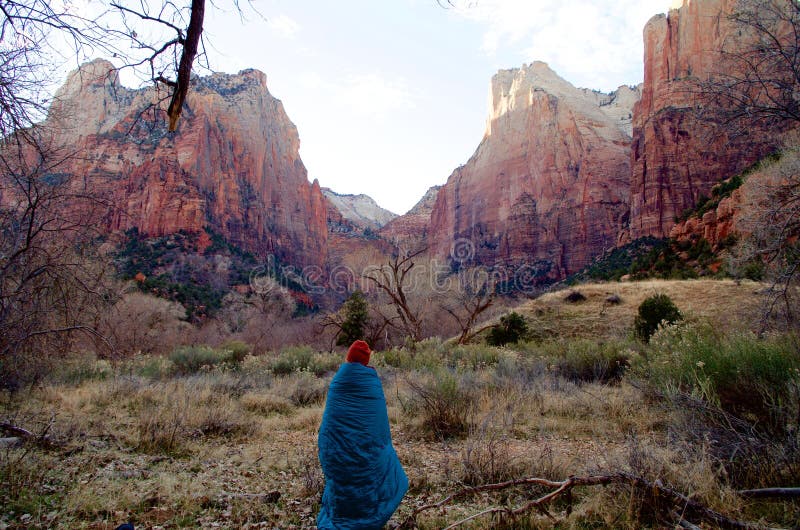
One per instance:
[(218, 438)]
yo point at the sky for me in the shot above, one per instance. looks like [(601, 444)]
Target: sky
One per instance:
[(390, 96)]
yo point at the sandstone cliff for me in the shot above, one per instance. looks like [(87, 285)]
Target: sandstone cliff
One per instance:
[(549, 184), (411, 228), (361, 210), (233, 165), (677, 157)]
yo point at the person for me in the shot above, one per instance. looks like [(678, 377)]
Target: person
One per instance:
[(364, 479)]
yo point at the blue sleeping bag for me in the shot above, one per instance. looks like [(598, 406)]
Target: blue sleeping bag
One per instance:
[(364, 480)]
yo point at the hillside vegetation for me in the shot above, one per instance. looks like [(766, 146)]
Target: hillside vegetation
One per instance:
[(218, 438), (609, 308)]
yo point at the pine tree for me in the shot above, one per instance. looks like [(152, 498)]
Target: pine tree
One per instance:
[(355, 319)]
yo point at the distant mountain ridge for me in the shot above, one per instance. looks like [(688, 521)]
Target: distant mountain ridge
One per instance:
[(360, 209), (561, 176)]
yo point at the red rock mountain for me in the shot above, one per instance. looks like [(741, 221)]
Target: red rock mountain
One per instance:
[(411, 228), (549, 183), (232, 166), (676, 158)]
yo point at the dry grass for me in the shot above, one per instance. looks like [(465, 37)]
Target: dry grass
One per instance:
[(723, 302), (197, 451)]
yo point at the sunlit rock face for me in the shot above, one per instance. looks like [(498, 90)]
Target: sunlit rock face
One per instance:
[(549, 184), (233, 165), (360, 209), (677, 153)]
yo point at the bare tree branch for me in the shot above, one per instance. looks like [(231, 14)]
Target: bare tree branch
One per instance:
[(659, 497)]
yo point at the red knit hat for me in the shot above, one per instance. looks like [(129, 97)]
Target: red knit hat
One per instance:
[(359, 352)]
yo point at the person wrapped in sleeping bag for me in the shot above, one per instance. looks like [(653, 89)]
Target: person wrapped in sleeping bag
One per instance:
[(364, 480)]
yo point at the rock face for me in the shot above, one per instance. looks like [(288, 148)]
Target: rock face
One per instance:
[(548, 187), (411, 228), (715, 225), (361, 210), (676, 158), (233, 166)]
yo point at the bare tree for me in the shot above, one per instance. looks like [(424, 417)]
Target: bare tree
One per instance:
[(759, 68), (474, 296), (771, 227), (180, 50), (258, 313), (50, 285), (757, 89), (161, 42), (393, 280)]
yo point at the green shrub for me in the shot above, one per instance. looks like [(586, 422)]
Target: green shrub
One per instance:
[(652, 312), (152, 367), (754, 270), (422, 359), (190, 359), (236, 351), (79, 369), (472, 356), (305, 359), (754, 379), (587, 361), (512, 328)]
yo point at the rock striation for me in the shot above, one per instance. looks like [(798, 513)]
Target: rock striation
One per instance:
[(411, 228), (233, 165), (548, 186), (677, 153)]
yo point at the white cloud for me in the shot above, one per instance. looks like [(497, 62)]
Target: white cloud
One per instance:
[(590, 42), (284, 25)]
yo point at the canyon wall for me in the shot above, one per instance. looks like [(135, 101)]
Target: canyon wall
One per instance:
[(680, 149), (411, 229), (233, 165), (549, 184)]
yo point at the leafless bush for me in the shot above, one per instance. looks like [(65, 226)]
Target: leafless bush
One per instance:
[(142, 323), (162, 426), (487, 458), (749, 457), (445, 401), (302, 389), (771, 224), (313, 479), (219, 416), (51, 287)]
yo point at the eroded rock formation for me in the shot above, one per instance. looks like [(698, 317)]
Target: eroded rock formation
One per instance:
[(549, 184), (232, 166)]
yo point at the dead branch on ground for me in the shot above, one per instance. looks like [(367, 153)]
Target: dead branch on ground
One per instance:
[(661, 496)]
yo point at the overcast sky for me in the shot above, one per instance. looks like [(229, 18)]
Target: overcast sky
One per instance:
[(389, 96)]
